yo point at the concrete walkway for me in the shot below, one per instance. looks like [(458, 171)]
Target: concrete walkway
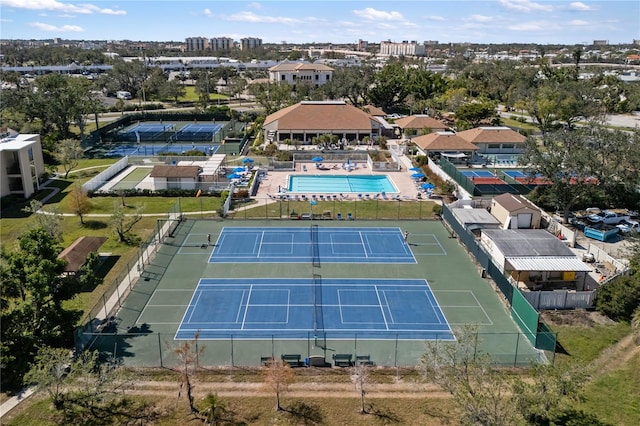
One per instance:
[(12, 402)]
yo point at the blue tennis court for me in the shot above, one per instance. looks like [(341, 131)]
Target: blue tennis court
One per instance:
[(198, 132), (300, 245), (294, 308), (150, 128), (201, 128), (514, 173), (138, 150), (478, 173)]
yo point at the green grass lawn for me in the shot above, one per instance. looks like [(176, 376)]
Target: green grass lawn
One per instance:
[(584, 344), (191, 95), (615, 396)]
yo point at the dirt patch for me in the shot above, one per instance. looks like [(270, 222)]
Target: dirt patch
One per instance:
[(576, 318)]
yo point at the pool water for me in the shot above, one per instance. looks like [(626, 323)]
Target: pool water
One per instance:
[(340, 184)]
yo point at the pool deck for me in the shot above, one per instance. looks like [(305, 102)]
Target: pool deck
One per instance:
[(275, 180)]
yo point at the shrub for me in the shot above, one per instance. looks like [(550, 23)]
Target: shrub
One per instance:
[(619, 298)]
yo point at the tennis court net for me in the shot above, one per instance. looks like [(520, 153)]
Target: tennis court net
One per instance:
[(318, 321), (315, 250)]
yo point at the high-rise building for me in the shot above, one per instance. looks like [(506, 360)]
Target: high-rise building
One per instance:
[(401, 49), (249, 43), (195, 44), (221, 43)]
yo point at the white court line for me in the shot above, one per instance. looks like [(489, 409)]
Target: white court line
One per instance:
[(288, 305), (433, 307), (381, 308), (259, 245), (194, 306), (478, 304), (481, 307), (364, 246), (441, 248), (246, 308), (240, 305), (384, 293)]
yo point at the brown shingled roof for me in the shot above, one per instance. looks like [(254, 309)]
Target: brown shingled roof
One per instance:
[(492, 135), (175, 171), (441, 141), (420, 122), (321, 116), (374, 110), (76, 254)]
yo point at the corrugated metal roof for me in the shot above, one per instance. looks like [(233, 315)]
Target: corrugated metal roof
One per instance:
[(547, 263), (527, 242), (474, 216)]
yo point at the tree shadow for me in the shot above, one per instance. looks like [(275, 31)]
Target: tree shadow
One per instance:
[(94, 224), (106, 264), (384, 414), (304, 414)]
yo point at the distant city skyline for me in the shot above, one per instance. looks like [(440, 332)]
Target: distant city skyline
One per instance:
[(275, 21)]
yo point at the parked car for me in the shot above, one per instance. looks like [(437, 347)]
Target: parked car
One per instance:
[(608, 217), (627, 226)]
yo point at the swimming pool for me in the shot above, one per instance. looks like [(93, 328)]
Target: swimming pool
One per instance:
[(340, 184)]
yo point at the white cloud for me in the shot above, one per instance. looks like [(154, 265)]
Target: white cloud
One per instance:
[(252, 18), (255, 5), (578, 23), (207, 12), (372, 14), (112, 12), (525, 6), (54, 5), (436, 18), (51, 28), (479, 18), (578, 5)]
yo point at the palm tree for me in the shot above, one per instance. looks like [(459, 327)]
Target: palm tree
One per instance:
[(214, 409)]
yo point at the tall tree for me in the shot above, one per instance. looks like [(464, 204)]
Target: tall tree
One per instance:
[(360, 379), (480, 392), (122, 224), (278, 376), (390, 86), (68, 153), (86, 391), (32, 282), (475, 112), (46, 218), (351, 83), (80, 202), (272, 96), (583, 164), (54, 102), (188, 353), (127, 76)]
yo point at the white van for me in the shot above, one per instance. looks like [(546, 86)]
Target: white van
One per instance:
[(123, 94)]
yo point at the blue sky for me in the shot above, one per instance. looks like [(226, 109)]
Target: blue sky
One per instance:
[(499, 21)]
